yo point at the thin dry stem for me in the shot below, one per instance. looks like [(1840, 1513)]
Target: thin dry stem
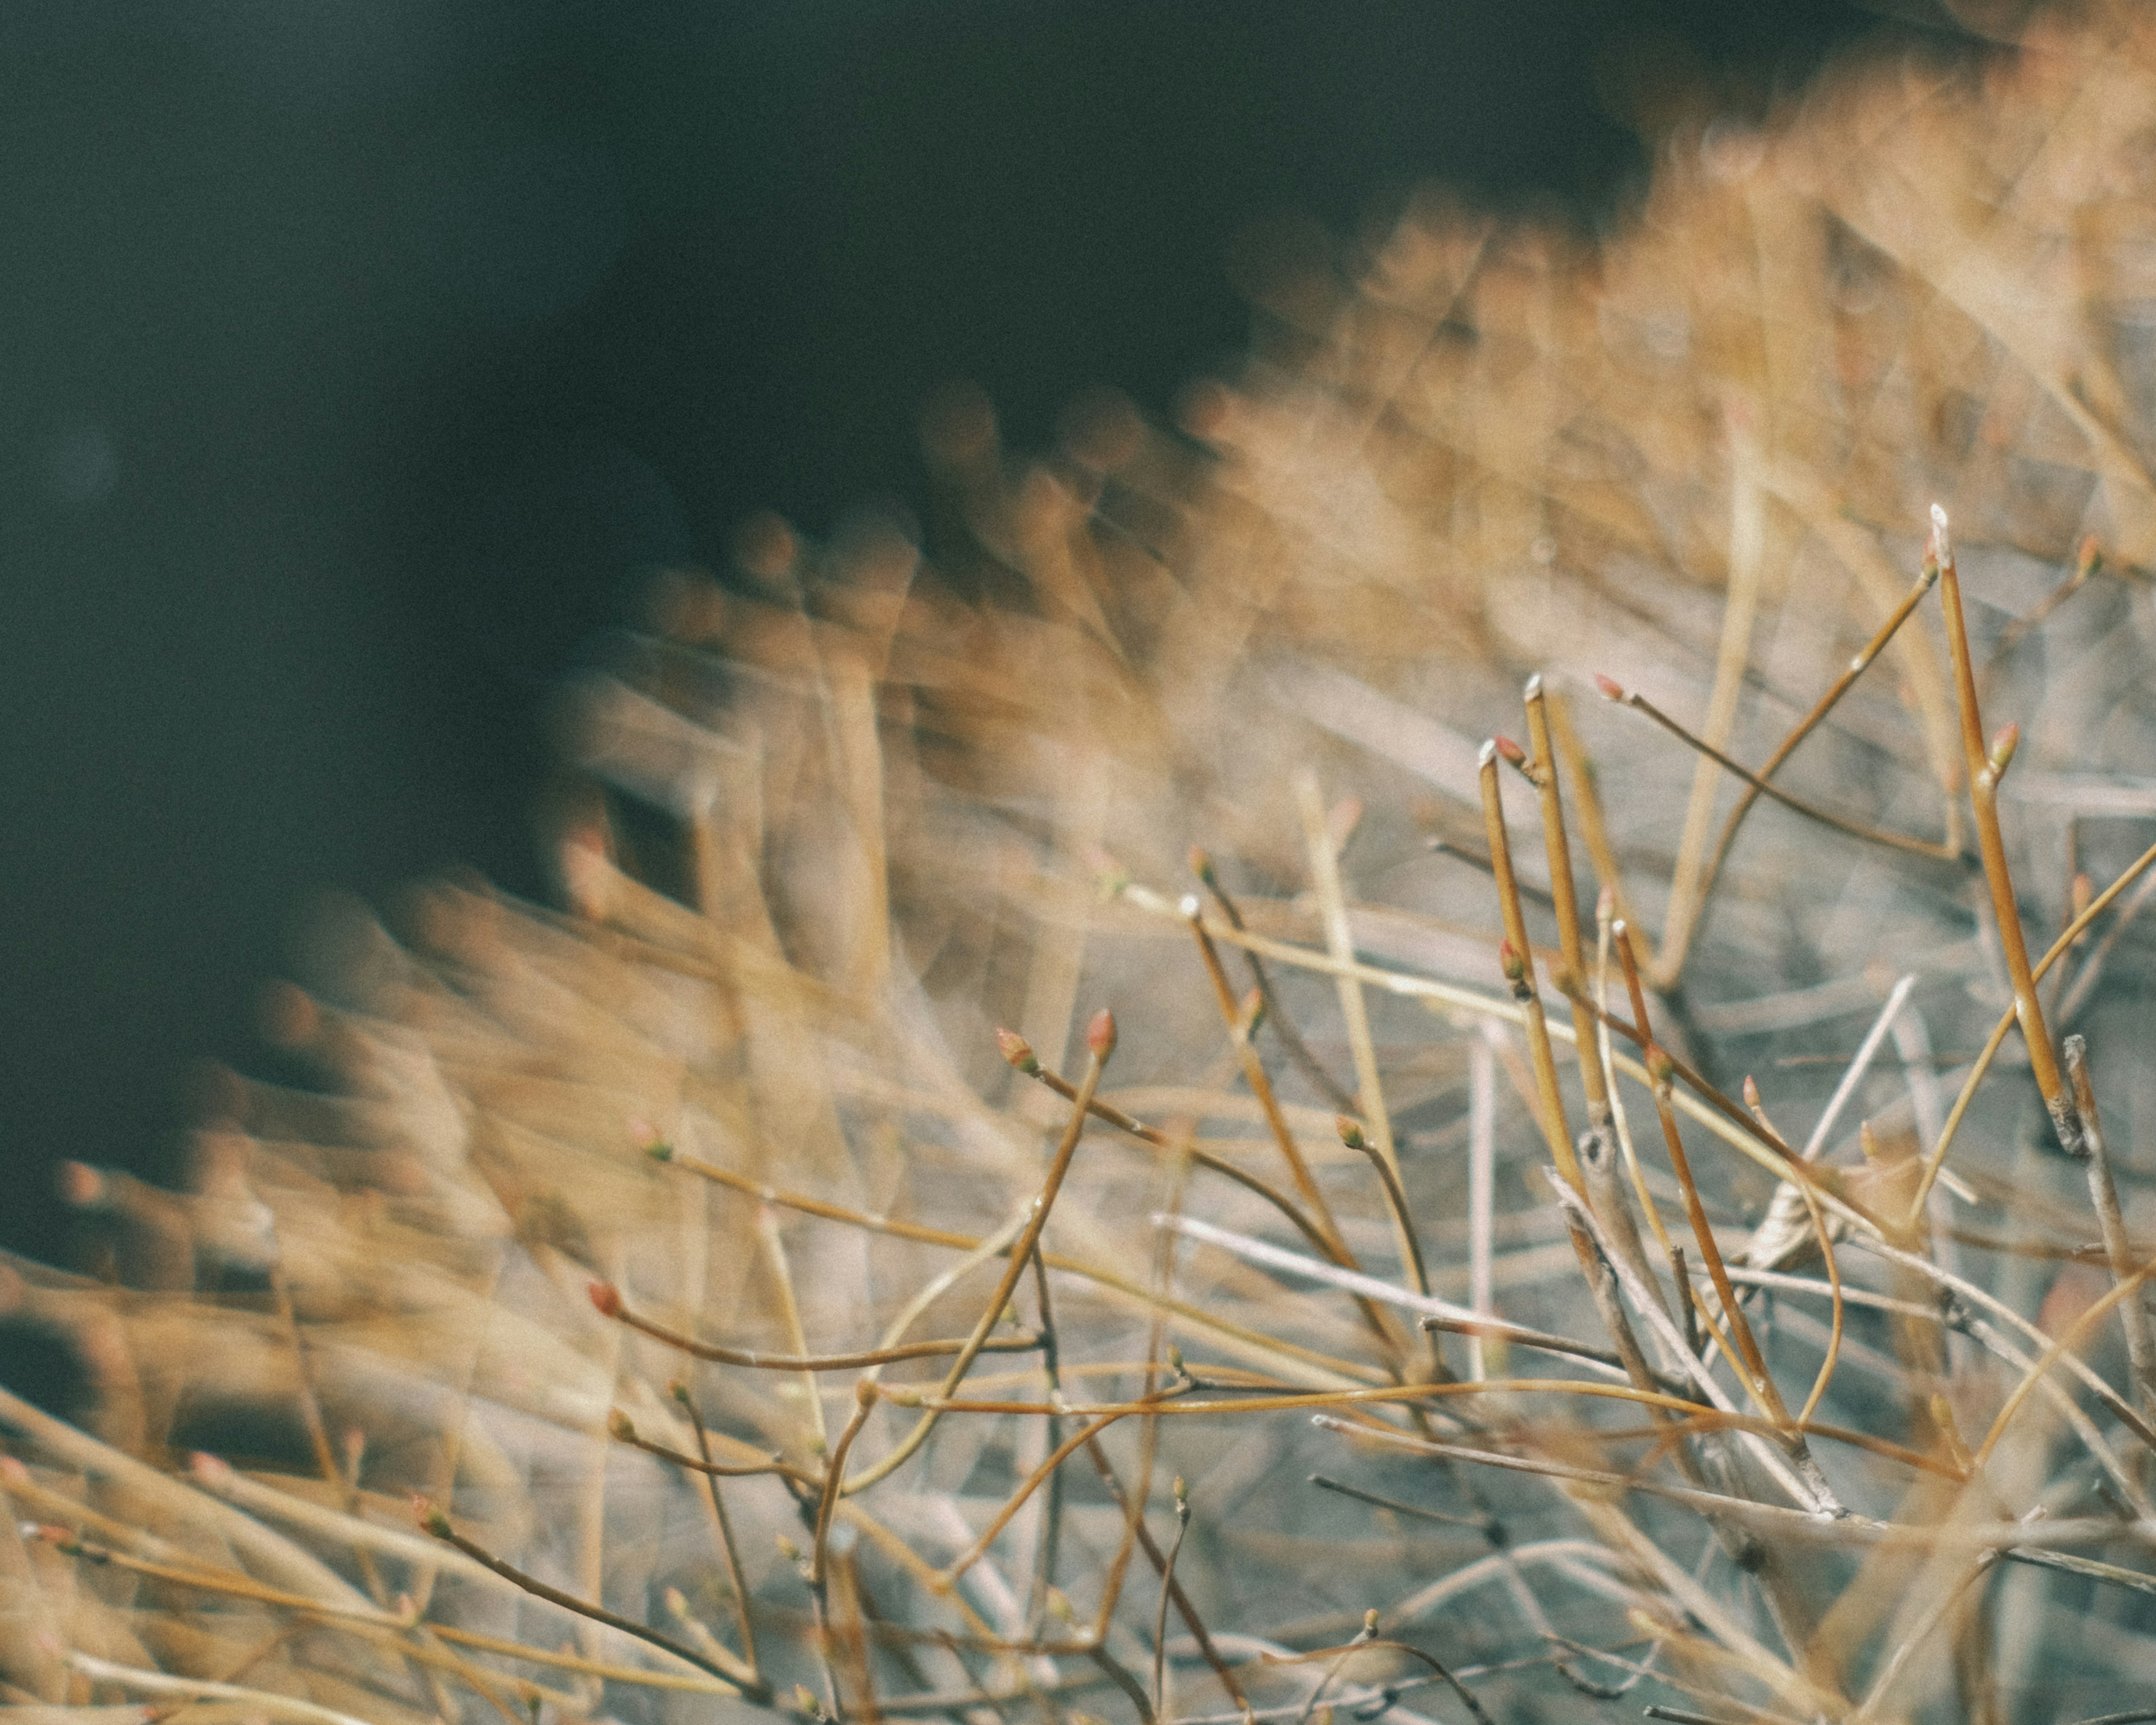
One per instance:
[(1986, 767)]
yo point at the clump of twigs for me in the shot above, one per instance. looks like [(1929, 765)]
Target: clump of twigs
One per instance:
[(1148, 1173)]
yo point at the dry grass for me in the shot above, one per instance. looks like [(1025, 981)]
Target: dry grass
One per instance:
[(756, 1330)]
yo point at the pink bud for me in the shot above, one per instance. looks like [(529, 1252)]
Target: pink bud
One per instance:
[(1100, 1035), (2007, 739)]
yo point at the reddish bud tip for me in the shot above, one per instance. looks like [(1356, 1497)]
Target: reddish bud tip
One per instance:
[(1100, 1035), (1751, 1092), (1510, 750), (79, 1184), (1605, 904), (1201, 865), (1351, 1134), (1511, 963), (1611, 689), (1018, 1051), (607, 1297), (1659, 1066), (2003, 745), (430, 1517)]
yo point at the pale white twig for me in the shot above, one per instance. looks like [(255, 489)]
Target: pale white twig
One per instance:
[(1481, 1181)]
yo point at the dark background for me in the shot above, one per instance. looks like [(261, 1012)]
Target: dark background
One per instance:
[(356, 355)]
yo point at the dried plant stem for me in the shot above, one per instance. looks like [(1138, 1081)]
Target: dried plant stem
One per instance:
[(1167, 1581), (1811, 1493), (1947, 1600), (1935, 1161), (1997, 1345), (1396, 1204), (2133, 1579), (2126, 1289), (1943, 850), (2092, 967), (1124, 1679), (1100, 1421), (1597, 1147), (1758, 1382), (1813, 719), (1517, 957), (1519, 965), (576, 1662), (1368, 1639), (231, 1585), (1434, 1313), (744, 1617), (1325, 878), (609, 1301), (789, 1311), (1717, 1113), (1101, 1042), (2118, 1247), (1604, 922), (1543, 769), (1783, 1283), (2088, 561), (265, 1701), (865, 1399), (1187, 1404), (1022, 1059), (1986, 767), (1587, 799), (1715, 1110), (620, 1428), (1132, 1504), (1239, 1024), (277, 1557), (1742, 1512), (1235, 1334), (1325, 1483), (1482, 1185), (1748, 555), (1282, 1026), (437, 1524)]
